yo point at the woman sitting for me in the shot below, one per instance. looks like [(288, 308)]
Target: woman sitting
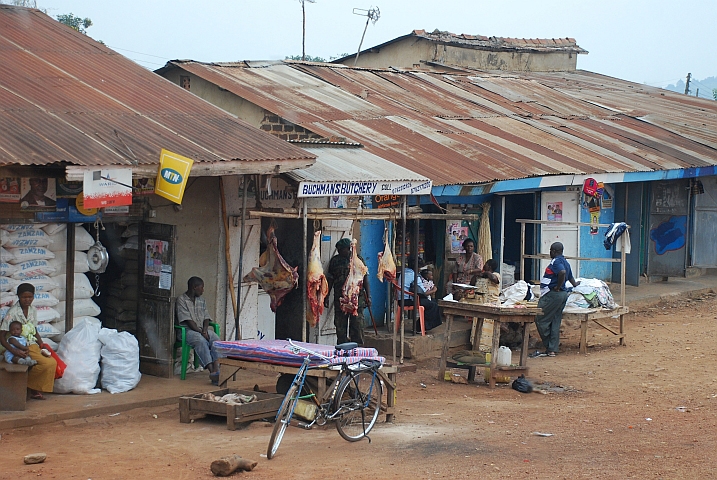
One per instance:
[(468, 265), (41, 376)]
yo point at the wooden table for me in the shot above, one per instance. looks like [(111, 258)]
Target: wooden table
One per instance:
[(498, 315), (228, 367), (596, 315)]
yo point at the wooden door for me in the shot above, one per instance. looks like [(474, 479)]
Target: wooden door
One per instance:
[(155, 319)]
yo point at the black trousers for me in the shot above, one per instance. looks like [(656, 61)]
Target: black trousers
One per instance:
[(431, 312)]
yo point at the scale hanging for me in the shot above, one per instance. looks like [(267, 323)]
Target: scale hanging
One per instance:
[(97, 258)]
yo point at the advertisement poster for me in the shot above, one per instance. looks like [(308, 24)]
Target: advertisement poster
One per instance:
[(107, 188), (155, 254), (172, 176), (10, 190), (555, 212), (67, 189), (143, 186), (456, 235), (38, 193)]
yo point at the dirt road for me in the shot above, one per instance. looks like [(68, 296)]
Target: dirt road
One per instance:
[(647, 410)]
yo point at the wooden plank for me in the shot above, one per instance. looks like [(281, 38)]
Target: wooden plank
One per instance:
[(446, 343)]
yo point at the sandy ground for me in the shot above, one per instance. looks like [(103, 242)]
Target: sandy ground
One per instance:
[(646, 410)]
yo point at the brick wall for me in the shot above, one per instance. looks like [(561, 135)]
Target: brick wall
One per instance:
[(284, 129)]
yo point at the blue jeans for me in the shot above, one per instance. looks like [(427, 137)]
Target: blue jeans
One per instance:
[(203, 348), (548, 324)]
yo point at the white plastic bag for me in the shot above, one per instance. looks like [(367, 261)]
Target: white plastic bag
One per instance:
[(80, 350), (47, 329), (54, 228), (83, 239), (45, 299), (515, 293), (22, 226), (507, 274), (60, 262), (24, 254), (83, 287), (8, 284), (120, 361), (6, 256), (33, 268), (6, 270), (25, 238), (42, 283), (47, 315)]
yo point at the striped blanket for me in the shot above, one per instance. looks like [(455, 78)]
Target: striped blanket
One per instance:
[(278, 352)]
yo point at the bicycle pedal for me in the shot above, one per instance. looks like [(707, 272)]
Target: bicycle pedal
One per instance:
[(305, 426)]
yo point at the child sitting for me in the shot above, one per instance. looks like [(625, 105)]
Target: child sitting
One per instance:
[(427, 278), (18, 341)]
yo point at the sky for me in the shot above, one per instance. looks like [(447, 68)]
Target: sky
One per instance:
[(656, 42)]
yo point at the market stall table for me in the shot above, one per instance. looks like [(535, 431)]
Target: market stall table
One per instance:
[(228, 367), (523, 315), (596, 315)]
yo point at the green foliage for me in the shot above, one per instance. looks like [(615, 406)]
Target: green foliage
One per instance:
[(340, 55), (309, 58), (76, 23), (714, 93)]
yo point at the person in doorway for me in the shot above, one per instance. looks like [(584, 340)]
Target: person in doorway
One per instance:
[(553, 297), (347, 326), (468, 264), (431, 310), (192, 313), (489, 273), (36, 196), (19, 342), (41, 377)]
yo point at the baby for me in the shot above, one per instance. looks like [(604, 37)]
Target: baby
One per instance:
[(428, 285), (18, 341)]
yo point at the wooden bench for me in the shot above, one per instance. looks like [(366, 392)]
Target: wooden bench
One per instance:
[(13, 386)]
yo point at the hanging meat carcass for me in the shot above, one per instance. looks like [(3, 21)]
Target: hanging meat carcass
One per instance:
[(275, 276), (354, 283), (386, 262), (316, 285)]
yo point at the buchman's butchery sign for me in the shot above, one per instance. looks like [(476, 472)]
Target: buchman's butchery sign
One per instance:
[(328, 189)]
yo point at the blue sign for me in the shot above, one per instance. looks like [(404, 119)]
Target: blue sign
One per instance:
[(172, 176)]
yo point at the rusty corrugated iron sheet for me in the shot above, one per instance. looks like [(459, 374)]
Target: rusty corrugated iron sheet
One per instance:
[(478, 127), (66, 98)]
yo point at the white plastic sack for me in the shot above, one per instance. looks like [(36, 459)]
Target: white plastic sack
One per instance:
[(3, 311), (47, 315), (22, 226), (7, 299), (83, 287), (120, 360), (33, 268), (45, 299), (84, 307), (80, 350), (60, 262), (507, 274), (83, 239), (30, 253), (42, 283), (47, 329), (515, 293), (6, 256), (8, 284), (6, 270), (25, 238), (131, 243), (53, 345), (54, 228)]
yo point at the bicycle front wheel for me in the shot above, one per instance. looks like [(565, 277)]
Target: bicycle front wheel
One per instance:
[(282, 420), (359, 399)]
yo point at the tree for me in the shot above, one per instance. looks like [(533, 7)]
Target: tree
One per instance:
[(714, 93), (76, 23), (308, 58), (23, 3)]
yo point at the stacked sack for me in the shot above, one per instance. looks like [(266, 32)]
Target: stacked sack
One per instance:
[(83, 305), (26, 257), (121, 308)]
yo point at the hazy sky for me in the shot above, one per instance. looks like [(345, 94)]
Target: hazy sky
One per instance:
[(647, 41)]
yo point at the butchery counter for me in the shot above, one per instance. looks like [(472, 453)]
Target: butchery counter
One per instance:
[(523, 316)]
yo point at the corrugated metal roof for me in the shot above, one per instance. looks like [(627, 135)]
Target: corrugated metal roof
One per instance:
[(66, 98), (478, 127), (336, 164)]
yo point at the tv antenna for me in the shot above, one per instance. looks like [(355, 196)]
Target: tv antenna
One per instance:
[(372, 15)]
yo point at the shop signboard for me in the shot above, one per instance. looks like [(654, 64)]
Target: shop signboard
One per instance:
[(9, 190), (361, 188), (107, 188), (172, 176)]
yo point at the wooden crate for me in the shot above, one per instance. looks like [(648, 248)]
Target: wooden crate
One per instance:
[(266, 405)]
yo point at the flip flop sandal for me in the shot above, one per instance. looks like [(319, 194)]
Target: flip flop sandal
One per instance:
[(37, 396), (551, 354)]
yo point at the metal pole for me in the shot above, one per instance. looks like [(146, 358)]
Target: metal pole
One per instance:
[(240, 276), (404, 258), (416, 300), (522, 250), (70, 278), (304, 276), (502, 233)]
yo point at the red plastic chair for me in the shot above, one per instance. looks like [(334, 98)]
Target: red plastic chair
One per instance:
[(408, 308)]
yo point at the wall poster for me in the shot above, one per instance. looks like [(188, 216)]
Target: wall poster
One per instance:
[(155, 255), (555, 212), (38, 193), (456, 235)]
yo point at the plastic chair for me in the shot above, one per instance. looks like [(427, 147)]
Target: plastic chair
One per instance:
[(182, 343), (409, 308)]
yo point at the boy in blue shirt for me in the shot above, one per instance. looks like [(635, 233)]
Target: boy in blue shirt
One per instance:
[(553, 297)]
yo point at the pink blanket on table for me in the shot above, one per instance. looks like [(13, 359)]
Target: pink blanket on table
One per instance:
[(278, 352)]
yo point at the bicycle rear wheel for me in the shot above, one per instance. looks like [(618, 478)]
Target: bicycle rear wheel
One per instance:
[(359, 397), (282, 420)]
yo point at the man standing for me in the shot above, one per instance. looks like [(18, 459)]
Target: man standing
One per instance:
[(192, 313), (553, 297), (339, 267)]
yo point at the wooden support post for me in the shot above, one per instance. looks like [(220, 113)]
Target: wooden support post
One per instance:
[(446, 345), (522, 250), (70, 278)]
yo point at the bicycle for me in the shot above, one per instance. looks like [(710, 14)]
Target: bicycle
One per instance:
[(352, 401)]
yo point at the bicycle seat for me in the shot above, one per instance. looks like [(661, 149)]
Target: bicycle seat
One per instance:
[(347, 346)]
